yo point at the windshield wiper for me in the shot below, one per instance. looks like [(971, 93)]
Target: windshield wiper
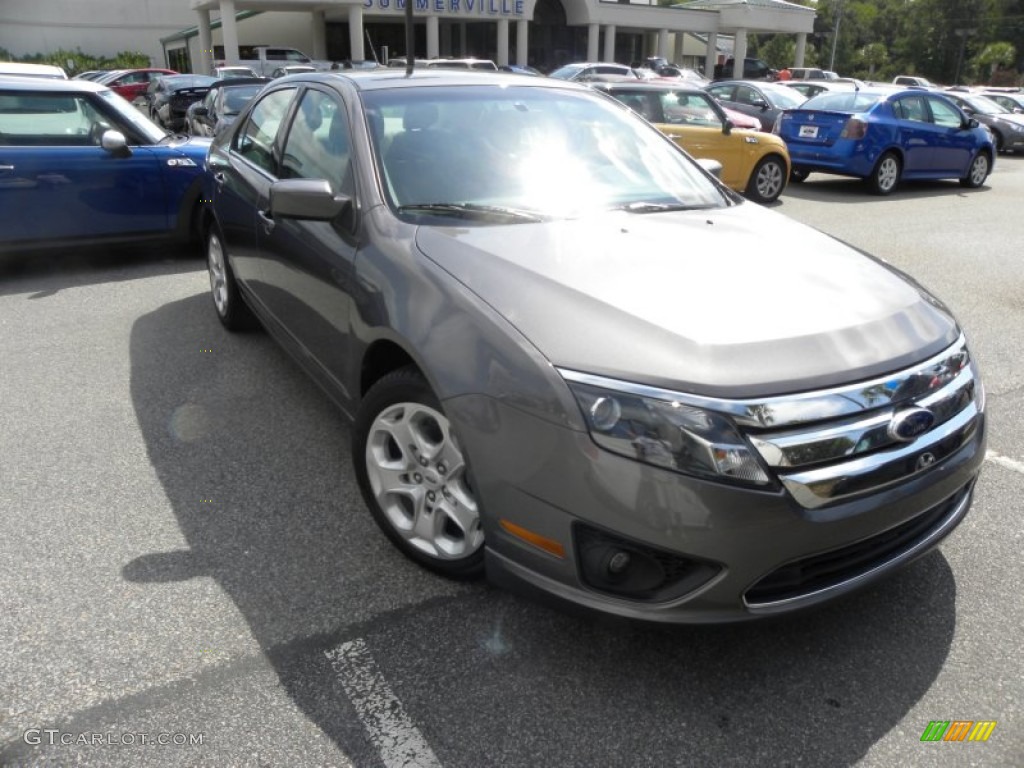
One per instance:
[(472, 209), (652, 207)]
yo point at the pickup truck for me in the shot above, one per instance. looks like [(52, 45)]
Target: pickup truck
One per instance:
[(264, 59)]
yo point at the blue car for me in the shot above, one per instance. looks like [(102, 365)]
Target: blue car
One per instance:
[(885, 136), (79, 164)]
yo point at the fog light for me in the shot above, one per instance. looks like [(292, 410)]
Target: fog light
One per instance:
[(619, 563), (605, 413)]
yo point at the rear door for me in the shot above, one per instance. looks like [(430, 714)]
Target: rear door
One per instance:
[(918, 135), (953, 142)]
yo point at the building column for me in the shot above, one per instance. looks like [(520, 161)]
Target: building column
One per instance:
[(433, 48), (711, 55), (739, 53), (319, 35), (677, 53), (522, 46), (663, 43), (229, 30), (801, 47), (609, 43), (463, 48), (205, 64), (593, 31), (446, 40), (502, 43), (356, 35)]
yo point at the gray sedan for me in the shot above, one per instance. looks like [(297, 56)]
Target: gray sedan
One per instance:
[(764, 101), (575, 359)]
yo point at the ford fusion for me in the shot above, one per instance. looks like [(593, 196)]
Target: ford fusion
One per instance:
[(576, 361)]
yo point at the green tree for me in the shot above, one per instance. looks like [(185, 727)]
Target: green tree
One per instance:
[(873, 55), (996, 56)]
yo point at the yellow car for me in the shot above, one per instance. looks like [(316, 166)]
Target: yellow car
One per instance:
[(754, 163)]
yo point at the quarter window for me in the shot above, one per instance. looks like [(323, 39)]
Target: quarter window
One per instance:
[(256, 142)]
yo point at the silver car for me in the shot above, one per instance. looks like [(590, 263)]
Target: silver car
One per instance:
[(575, 360)]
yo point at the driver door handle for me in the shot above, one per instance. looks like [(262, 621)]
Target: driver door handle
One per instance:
[(268, 223)]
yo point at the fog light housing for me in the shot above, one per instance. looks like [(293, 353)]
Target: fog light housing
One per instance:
[(619, 566)]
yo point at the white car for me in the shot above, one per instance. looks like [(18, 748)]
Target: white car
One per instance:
[(32, 70)]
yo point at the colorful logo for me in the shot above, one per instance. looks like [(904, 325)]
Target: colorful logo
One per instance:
[(958, 730)]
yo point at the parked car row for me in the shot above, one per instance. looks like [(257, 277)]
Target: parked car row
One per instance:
[(464, 262)]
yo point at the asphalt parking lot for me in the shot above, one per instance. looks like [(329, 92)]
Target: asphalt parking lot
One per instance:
[(186, 559)]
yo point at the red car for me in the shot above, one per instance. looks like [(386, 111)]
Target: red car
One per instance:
[(132, 83)]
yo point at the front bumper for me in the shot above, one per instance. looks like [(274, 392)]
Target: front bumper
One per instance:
[(764, 551)]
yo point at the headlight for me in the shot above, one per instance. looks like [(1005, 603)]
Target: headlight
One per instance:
[(668, 434)]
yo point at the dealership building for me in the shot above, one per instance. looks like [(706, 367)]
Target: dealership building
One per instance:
[(188, 35)]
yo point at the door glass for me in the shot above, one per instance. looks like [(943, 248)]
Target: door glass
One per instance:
[(318, 142), (54, 119), (943, 114), (256, 142)]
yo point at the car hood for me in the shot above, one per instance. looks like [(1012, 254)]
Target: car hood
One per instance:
[(736, 302), (194, 147)]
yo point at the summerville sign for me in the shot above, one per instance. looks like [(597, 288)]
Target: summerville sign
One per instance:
[(461, 7)]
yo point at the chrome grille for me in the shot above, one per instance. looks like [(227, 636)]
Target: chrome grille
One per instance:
[(828, 460)]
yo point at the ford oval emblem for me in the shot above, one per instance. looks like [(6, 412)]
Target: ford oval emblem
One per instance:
[(910, 424)]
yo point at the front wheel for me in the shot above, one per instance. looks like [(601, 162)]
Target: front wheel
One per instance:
[(978, 172), (412, 473), (886, 175), (768, 180)]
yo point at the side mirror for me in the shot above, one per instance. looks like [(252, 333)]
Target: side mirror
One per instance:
[(714, 167), (763, 105), (972, 123), (311, 199), (727, 126), (115, 143)]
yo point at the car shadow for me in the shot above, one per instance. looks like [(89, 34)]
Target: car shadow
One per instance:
[(841, 189), (255, 464), (44, 273)]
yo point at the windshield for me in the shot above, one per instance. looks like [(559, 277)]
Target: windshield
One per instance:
[(566, 72), (151, 132), (986, 106), (237, 96), (854, 101), (543, 152), (783, 97)]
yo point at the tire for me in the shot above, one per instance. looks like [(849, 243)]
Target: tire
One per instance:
[(767, 180), (413, 476), (232, 311), (978, 171), (798, 176), (886, 174)]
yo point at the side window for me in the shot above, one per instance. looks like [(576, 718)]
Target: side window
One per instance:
[(54, 120), (747, 95), (725, 93), (256, 142), (944, 114), (318, 145), (292, 55), (912, 108)]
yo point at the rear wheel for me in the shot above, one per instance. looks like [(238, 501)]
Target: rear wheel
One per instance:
[(233, 312), (768, 180), (412, 474), (978, 172), (886, 175)]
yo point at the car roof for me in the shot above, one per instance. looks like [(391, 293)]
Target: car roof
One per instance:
[(393, 77), (636, 86), (32, 70), (53, 85), (232, 82)]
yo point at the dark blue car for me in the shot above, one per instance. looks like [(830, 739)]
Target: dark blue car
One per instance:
[(885, 136), (80, 164)]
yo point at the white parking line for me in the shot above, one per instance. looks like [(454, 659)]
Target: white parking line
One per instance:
[(400, 743), (1005, 461)]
